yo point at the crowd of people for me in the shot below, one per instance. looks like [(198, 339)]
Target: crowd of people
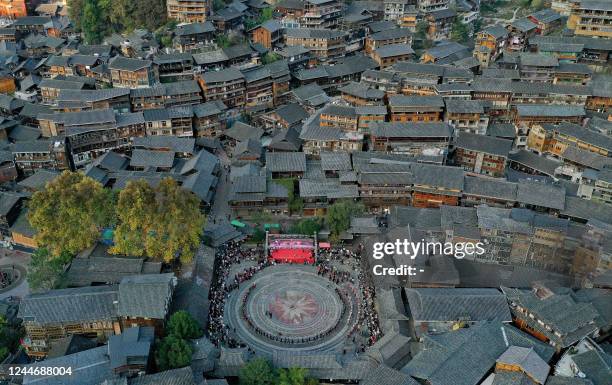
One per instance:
[(227, 255), (233, 253)]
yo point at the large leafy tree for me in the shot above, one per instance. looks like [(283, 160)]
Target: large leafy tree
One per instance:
[(163, 222), (45, 272), (295, 376), (460, 32), (339, 215), (257, 372), (94, 22), (69, 213), (183, 325), (173, 352)]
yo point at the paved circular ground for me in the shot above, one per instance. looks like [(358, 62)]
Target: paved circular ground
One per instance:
[(289, 307)]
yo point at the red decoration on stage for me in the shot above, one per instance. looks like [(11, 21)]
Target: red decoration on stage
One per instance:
[(292, 256)]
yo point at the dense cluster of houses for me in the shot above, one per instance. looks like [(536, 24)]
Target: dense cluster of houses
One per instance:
[(506, 141)]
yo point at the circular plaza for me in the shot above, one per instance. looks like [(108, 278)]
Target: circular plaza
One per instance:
[(292, 307)]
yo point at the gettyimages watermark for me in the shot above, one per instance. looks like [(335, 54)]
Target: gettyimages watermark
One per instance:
[(412, 250)]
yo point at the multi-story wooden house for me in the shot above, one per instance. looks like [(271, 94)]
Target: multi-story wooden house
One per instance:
[(388, 55), (360, 94), (405, 108), (341, 117), (531, 114), (387, 37), (490, 43), (209, 119), (194, 36), (189, 11), (268, 34), (227, 85), (87, 143), (95, 311), (323, 44), (410, 138), (117, 99), (482, 154), (321, 13), (183, 93), (175, 121), (435, 185), (466, 116), (591, 18), (132, 73), (40, 154), (440, 24), (253, 194)]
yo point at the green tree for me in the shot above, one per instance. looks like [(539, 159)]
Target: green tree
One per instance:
[(183, 325), (257, 372), (266, 14), (537, 4), (460, 32), (75, 12), (295, 376), (222, 41), (477, 25), (173, 352), (163, 222), (422, 28), (93, 22), (339, 215), (306, 226), (69, 213), (9, 338), (218, 4), (45, 272), (270, 57)]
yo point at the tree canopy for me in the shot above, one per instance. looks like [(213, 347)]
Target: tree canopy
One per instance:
[(306, 226), (98, 18), (257, 372), (164, 222), (45, 271), (183, 325), (339, 215), (460, 32), (69, 213), (172, 352)]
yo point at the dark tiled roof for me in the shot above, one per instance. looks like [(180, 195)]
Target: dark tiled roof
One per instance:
[(481, 143), (128, 64), (457, 304), (145, 295), (150, 158), (286, 162)]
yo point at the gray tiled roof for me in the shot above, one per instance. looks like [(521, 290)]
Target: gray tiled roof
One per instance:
[(464, 106), (286, 161), (490, 188), (150, 158), (181, 376), (394, 50), (85, 304), (404, 130), (313, 33), (457, 304), (384, 375), (171, 143), (416, 101), (389, 34), (534, 161), (336, 161), (482, 143), (465, 356), (128, 64), (550, 110), (89, 367), (224, 75), (145, 295), (541, 194), (528, 360), (328, 188)]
